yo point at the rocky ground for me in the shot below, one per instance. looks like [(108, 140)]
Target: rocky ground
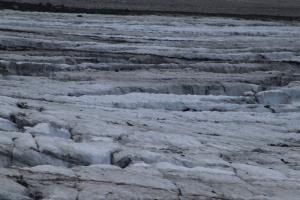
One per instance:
[(250, 8), (148, 107)]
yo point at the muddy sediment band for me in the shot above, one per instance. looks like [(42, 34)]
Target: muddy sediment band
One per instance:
[(271, 9)]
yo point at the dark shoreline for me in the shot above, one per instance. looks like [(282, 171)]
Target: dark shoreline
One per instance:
[(48, 7)]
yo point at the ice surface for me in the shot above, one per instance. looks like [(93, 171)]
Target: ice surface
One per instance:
[(148, 107)]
